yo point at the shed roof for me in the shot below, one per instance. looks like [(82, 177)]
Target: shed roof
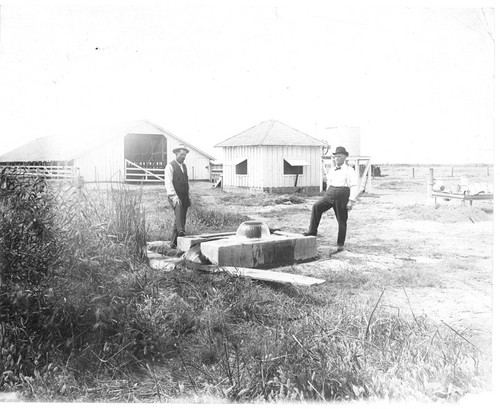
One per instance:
[(271, 132), (75, 144)]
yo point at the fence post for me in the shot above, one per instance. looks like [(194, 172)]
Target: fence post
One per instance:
[(452, 171), (430, 183), (413, 173), (79, 182)]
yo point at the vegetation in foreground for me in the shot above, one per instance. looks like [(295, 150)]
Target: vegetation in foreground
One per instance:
[(83, 318)]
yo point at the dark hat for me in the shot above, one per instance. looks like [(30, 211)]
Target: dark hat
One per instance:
[(180, 148), (341, 150)]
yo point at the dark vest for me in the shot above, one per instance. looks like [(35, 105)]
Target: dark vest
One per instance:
[(180, 182)]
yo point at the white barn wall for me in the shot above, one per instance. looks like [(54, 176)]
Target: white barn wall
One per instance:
[(105, 164), (198, 165)]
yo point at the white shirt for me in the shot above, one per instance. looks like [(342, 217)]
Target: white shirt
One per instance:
[(344, 177), (169, 174)]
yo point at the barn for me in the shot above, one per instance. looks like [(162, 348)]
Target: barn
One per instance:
[(272, 157), (130, 152)]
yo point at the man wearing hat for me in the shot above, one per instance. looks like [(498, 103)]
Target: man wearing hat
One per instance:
[(341, 193), (176, 183)]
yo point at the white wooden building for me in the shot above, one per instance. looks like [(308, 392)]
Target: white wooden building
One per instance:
[(131, 152), (272, 157)]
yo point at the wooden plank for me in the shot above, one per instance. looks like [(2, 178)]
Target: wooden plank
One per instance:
[(164, 263), (274, 276), (145, 170), (255, 274), (133, 171), (223, 234), (287, 233), (45, 166), (186, 242), (144, 180), (462, 196)]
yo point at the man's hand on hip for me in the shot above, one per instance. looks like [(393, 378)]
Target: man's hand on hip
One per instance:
[(173, 201)]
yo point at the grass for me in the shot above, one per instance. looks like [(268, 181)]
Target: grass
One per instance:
[(200, 217), (95, 323), (348, 278), (254, 342), (281, 213), (263, 199), (447, 214), (354, 275), (424, 277), (399, 185)]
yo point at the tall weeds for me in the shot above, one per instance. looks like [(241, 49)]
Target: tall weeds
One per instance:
[(71, 275), (28, 244)]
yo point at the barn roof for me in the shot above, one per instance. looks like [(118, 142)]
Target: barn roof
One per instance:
[(271, 132), (65, 147), (70, 146)]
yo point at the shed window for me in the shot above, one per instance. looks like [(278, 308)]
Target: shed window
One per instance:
[(242, 168), (294, 166)]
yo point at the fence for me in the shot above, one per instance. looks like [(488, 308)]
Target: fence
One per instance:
[(215, 172), (153, 173), (46, 171)]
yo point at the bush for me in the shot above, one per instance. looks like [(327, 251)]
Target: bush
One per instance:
[(28, 242)]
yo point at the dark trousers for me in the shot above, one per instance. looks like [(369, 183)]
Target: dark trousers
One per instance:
[(336, 197), (180, 213)]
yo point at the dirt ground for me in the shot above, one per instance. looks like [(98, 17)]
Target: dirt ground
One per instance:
[(426, 259)]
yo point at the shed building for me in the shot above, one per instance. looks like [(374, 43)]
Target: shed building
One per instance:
[(272, 157), (136, 151)]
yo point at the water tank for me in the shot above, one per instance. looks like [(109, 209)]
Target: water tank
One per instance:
[(347, 136)]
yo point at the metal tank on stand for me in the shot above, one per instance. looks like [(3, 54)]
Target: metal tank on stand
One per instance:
[(347, 136)]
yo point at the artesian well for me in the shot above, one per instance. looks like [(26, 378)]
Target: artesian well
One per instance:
[(253, 245)]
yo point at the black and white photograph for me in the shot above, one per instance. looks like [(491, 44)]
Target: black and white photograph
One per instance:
[(248, 202)]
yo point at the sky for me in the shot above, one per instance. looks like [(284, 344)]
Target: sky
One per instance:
[(417, 78)]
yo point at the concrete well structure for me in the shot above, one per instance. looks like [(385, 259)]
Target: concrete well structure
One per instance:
[(235, 251)]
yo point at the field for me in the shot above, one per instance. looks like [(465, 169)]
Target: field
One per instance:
[(405, 312), (427, 260)]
